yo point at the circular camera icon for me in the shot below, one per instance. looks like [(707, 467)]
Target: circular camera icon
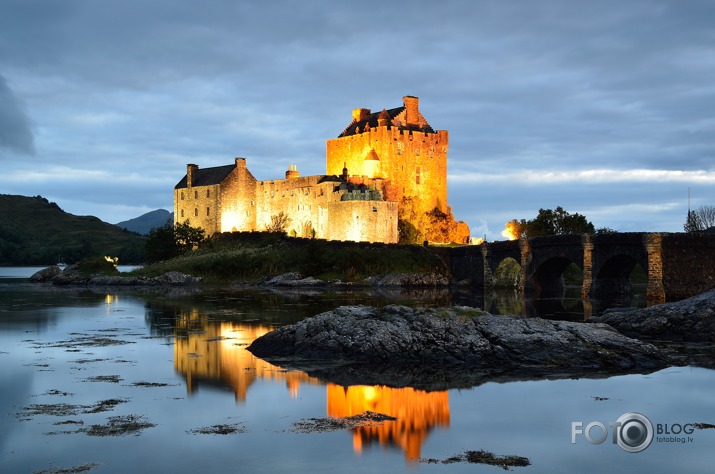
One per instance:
[(634, 432)]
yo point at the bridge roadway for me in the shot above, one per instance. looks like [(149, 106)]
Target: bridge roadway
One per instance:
[(678, 265)]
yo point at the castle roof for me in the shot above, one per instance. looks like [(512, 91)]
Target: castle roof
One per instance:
[(207, 176), (371, 121)]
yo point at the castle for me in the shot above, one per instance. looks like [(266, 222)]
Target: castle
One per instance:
[(383, 167)]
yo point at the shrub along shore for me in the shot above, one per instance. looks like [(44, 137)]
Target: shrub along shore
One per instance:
[(254, 257)]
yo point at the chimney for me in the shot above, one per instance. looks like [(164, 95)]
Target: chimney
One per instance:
[(240, 162), (191, 171), (292, 172), (360, 114), (412, 109)]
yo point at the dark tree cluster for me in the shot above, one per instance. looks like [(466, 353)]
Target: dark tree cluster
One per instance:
[(552, 222), (700, 219), (169, 241)]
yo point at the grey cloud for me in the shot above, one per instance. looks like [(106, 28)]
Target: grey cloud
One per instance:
[(15, 129), (554, 84)]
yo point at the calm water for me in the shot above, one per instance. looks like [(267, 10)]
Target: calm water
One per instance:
[(177, 360)]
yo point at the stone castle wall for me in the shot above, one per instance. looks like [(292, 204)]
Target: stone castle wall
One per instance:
[(238, 197), (415, 163), (317, 207), (199, 205), (362, 221)]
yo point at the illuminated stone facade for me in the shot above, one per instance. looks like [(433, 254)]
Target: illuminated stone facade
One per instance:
[(379, 162), (230, 199), (398, 147)]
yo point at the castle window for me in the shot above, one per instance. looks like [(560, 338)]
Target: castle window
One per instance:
[(374, 208), (252, 203), (417, 180), (196, 194), (431, 152), (400, 147), (417, 151), (182, 195), (273, 193), (284, 194), (196, 212), (208, 193), (208, 211), (291, 192), (182, 213), (418, 170)]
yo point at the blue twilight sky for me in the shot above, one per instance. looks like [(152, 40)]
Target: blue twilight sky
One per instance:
[(606, 107)]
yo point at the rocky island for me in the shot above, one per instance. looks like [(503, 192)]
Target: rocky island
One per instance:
[(455, 346)]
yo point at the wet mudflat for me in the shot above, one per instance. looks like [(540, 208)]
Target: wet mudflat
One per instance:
[(123, 382)]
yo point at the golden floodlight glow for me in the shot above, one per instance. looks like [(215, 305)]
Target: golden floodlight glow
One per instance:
[(417, 413), (510, 231)]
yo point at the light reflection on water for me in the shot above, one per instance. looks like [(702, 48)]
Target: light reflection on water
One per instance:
[(195, 345)]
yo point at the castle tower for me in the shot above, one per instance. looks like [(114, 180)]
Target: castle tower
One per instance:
[(398, 146)]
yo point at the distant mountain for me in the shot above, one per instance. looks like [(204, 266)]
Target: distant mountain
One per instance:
[(146, 222), (34, 231)]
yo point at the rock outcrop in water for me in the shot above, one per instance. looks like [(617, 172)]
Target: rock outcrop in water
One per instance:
[(690, 320), (365, 340), (70, 276)]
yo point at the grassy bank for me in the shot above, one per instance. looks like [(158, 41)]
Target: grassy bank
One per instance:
[(254, 256)]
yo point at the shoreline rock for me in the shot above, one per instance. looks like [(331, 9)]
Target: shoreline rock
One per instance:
[(689, 320), (71, 277), (453, 344), (401, 280)]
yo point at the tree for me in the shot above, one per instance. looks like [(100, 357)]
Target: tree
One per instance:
[(188, 238), (408, 233), (278, 223), (549, 222), (169, 241), (700, 219)]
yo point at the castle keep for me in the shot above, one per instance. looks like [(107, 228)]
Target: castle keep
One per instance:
[(379, 163)]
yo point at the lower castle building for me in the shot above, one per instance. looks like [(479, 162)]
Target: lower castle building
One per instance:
[(230, 199), (394, 166)]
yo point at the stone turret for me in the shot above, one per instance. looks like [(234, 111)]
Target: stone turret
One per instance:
[(292, 172)]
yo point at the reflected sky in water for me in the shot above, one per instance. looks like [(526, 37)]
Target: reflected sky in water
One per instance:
[(179, 360)]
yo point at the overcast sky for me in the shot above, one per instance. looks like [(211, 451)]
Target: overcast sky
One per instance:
[(606, 108)]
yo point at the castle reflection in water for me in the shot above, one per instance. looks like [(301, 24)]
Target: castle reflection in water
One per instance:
[(214, 352)]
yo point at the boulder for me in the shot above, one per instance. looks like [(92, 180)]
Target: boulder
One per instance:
[(692, 320), (366, 339), (46, 274)]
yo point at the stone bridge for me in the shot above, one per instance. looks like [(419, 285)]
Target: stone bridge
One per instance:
[(678, 265)]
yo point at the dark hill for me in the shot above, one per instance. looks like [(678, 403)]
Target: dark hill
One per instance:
[(146, 222), (34, 231)]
